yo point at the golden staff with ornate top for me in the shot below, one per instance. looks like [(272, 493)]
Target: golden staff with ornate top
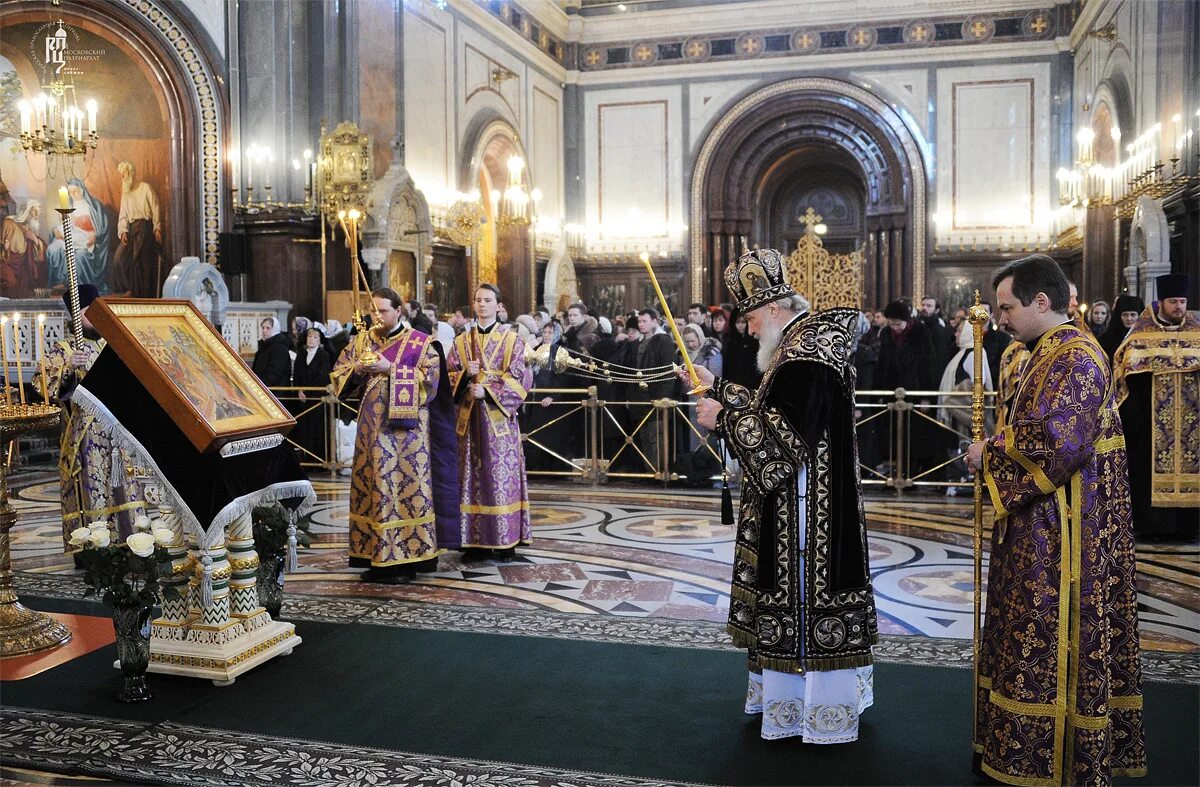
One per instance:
[(977, 315), (697, 386)]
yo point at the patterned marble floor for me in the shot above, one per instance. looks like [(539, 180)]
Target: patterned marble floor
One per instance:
[(663, 555)]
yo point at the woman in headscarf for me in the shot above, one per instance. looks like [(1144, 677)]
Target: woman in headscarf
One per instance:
[(91, 240), (959, 375), (1126, 311), (703, 351), (273, 361), (310, 370), (538, 418), (739, 354), (338, 336)]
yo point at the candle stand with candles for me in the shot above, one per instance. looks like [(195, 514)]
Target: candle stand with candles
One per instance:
[(22, 630)]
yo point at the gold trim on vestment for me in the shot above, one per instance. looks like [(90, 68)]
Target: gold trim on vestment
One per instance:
[(386, 563), (510, 508), (393, 524), (99, 512), (1044, 484), (517, 543), (1020, 781), (1126, 701)]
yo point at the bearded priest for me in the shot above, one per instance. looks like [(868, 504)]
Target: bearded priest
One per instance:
[(801, 599)]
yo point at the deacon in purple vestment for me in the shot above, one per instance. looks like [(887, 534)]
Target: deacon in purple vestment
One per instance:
[(487, 371), (1058, 692), (395, 370)]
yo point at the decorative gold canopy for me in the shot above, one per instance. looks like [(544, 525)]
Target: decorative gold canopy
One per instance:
[(827, 280)]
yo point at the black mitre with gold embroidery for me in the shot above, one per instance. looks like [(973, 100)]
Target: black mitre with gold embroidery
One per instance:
[(756, 279)]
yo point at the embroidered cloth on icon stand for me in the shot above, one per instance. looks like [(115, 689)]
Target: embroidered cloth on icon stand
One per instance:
[(210, 490), (1059, 698), (93, 471)]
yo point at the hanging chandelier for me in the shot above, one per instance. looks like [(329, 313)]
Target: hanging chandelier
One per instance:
[(513, 210), (52, 122)]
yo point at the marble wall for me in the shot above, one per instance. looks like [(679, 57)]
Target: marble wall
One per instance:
[(462, 72)]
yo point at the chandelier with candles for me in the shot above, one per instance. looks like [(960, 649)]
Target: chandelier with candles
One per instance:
[(52, 122)]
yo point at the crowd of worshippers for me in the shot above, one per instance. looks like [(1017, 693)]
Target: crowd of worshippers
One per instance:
[(922, 348)]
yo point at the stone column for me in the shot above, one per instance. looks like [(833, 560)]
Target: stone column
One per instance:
[(243, 583)]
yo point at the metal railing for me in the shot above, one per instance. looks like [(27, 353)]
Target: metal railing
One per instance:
[(574, 434)]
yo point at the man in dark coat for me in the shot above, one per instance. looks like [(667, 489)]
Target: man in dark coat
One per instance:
[(655, 350), (939, 330), (907, 360)]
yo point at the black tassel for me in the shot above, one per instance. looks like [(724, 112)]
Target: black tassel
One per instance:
[(726, 496)]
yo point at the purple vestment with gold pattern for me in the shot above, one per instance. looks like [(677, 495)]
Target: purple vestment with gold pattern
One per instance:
[(495, 499), (1170, 355), (1059, 697), (96, 477), (391, 496)]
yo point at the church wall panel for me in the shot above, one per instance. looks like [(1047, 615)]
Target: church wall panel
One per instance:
[(428, 112), (546, 150), (377, 82), (634, 161), (994, 130)]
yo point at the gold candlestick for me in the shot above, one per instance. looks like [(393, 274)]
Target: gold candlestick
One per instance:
[(977, 315), (697, 386)]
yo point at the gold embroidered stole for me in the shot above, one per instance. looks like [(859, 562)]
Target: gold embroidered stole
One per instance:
[(494, 352)]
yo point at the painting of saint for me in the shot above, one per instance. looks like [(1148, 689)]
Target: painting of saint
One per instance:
[(22, 253)]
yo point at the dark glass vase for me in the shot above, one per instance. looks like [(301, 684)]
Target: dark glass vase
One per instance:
[(270, 584), (132, 624)]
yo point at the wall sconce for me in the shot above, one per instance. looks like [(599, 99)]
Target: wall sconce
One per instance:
[(1106, 33), (500, 75)]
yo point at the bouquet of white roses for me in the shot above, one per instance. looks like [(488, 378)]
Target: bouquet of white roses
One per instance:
[(124, 573)]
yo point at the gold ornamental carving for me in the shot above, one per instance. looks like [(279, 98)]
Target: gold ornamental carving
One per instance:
[(344, 170), (22, 630), (827, 280)]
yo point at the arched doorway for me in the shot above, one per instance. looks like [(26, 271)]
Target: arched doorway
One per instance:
[(820, 143), (503, 254)]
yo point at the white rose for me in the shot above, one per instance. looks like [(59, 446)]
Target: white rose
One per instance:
[(141, 544), (80, 536), (99, 524), (100, 538), (141, 523), (163, 536)]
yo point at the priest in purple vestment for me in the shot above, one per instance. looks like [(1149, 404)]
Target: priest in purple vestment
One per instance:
[(487, 372), (395, 371), (1058, 690)]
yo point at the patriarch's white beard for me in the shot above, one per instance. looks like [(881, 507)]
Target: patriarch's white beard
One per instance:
[(768, 342)]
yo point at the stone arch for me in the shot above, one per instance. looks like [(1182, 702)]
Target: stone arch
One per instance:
[(863, 131), (490, 141), (184, 64)]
